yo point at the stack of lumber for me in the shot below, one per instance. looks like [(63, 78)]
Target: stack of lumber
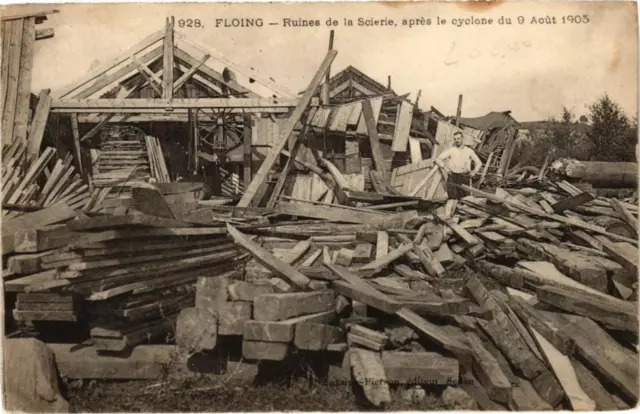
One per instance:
[(127, 275), (126, 156), (156, 160), (30, 183)]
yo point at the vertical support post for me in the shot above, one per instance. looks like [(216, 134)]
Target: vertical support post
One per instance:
[(246, 137), (75, 130), (418, 97), (324, 88), (459, 111), (190, 143), (389, 82), (167, 72)]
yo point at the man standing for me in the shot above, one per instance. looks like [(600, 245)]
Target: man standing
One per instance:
[(458, 167)]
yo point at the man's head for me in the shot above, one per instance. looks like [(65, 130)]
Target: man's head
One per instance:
[(457, 139)]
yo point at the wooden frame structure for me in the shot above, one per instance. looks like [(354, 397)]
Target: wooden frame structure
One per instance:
[(162, 77)]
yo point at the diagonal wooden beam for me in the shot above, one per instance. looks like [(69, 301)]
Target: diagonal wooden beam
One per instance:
[(213, 75), (97, 128), (123, 57), (187, 75), (167, 79), (151, 77), (76, 141), (261, 175), (249, 72)]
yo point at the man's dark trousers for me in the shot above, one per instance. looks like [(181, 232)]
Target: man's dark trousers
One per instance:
[(454, 192)]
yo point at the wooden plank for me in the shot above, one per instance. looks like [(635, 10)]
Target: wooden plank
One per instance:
[(269, 161), (487, 369), (268, 260), (11, 94), (565, 373), (379, 264), (504, 333), (403, 126), (372, 129), (6, 43), (627, 216), (382, 244), (612, 314), (369, 373), (572, 202), (24, 82), (416, 151), (416, 189), (167, 60), (332, 212)]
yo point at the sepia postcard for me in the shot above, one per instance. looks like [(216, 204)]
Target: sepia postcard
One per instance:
[(346, 206)]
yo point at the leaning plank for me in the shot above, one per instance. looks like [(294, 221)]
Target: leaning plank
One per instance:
[(287, 131), (565, 373), (627, 216), (403, 126), (374, 140), (488, 371), (24, 82), (11, 92), (36, 131), (504, 333), (377, 265), (268, 260)]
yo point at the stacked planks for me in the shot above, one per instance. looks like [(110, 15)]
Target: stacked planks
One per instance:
[(127, 276), (29, 183), (157, 163), (123, 158)]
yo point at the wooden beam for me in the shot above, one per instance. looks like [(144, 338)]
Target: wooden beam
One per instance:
[(459, 111), (287, 130), (123, 57), (38, 124), (249, 72), (24, 82), (96, 128), (374, 140), (246, 137), (11, 92), (167, 77), (44, 33), (269, 260), (187, 75), (100, 105), (148, 74), (76, 142)]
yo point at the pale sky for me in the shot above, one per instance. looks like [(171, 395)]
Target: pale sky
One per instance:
[(532, 70)]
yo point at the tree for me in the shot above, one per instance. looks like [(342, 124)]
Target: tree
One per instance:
[(612, 134)]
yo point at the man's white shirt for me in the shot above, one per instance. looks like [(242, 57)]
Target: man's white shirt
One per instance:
[(460, 159)]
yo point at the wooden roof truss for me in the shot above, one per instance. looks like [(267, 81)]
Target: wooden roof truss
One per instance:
[(166, 72)]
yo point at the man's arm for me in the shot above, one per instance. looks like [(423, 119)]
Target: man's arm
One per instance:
[(442, 157), (477, 164)]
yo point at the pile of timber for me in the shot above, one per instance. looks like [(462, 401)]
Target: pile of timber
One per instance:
[(126, 275), (391, 298), (127, 155)]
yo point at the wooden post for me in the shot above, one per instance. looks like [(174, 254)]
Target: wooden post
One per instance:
[(76, 142), (246, 137), (287, 130), (418, 97), (374, 139), (191, 167), (167, 73), (389, 82), (324, 89), (459, 111)]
